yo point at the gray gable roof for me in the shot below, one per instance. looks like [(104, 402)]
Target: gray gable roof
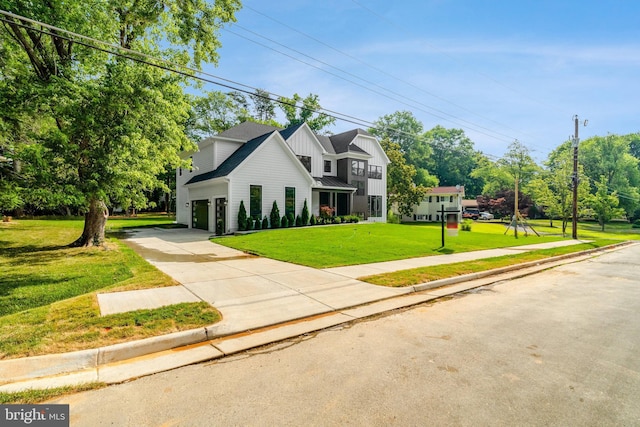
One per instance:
[(233, 161), (247, 131), (326, 143), (342, 141)]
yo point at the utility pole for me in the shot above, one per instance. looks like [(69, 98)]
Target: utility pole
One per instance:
[(515, 210), (576, 140)]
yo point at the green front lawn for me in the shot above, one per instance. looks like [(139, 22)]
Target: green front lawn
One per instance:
[(351, 244), (48, 291)]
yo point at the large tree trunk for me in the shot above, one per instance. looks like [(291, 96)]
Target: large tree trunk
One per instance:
[(94, 222)]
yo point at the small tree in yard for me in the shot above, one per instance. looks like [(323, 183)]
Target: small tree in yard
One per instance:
[(305, 214), (258, 224), (298, 221), (242, 217), (604, 205), (285, 222), (265, 223), (313, 220), (275, 215)]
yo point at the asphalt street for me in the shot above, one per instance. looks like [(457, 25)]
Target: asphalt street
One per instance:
[(556, 348)]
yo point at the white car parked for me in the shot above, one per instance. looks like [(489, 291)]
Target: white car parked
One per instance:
[(485, 216)]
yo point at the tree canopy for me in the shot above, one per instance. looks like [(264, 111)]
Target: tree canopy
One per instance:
[(95, 127)]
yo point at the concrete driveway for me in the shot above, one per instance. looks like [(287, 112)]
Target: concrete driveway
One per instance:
[(249, 291)]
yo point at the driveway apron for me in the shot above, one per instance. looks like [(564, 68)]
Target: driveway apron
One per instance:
[(249, 291)]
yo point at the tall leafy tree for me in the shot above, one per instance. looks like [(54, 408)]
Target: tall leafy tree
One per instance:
[(453, 158), (110, 125), (305, 110), (553, 188), (405, 130), (264, 109), (401, 187), (611, 157)]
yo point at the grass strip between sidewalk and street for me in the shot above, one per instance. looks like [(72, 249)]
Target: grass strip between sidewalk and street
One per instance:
[(420, 275)]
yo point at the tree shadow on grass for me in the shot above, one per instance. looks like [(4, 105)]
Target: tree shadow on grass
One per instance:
[(13, 301)]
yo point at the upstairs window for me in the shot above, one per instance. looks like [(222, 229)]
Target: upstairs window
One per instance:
[(306, 162), (327, 166), (375, 172), (360, 187), (357, 168)]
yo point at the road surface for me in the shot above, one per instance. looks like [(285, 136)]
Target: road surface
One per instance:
[(557, 348)]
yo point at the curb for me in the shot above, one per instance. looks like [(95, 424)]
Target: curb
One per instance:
[(121, 362)]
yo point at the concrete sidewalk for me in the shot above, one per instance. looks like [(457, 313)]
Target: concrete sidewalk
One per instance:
[(253, 294)]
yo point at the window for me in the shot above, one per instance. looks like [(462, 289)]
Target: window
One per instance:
[(255, 203), (375, 206), (360, 187), (290, 201), (306, 162), (327, 166), (357, 168), (430, 199), (375, 172), (450, 199)]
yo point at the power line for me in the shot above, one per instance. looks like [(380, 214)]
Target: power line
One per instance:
[(402, 101), (378, 69), (185, 71)]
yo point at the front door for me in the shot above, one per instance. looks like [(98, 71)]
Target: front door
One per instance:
[(221, 224), (200, 214), (343, 204)]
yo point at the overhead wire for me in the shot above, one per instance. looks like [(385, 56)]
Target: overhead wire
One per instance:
[(377, 69), (484, 75), (185, 71)]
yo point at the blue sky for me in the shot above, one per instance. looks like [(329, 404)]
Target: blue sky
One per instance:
[(499, 70)]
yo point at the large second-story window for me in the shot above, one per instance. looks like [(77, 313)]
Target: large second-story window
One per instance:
[(327, 166), (290, 201), (255, 201), (357, 168), (306, 162), (360, 187), (375, 172)]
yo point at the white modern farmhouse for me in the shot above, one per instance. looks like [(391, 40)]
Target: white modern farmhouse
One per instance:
[(258, 164)]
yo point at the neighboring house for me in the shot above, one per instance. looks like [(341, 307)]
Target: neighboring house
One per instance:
[(259, 164), (469, 204), (429, 209)]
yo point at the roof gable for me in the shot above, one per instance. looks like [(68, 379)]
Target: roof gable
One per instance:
[(342, 142), (233, 161)]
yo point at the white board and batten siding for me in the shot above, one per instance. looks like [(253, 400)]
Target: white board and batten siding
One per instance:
[(304, 143), (273, 167)]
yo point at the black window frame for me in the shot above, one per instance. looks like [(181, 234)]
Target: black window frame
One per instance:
[(375, 172), (327, 163), (361, 187), (357, 168), (255, 206), (289, 201)]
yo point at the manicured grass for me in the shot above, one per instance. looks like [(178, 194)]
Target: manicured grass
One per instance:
[(591, 230), (48, 291), (351, 244), (427, 274)]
